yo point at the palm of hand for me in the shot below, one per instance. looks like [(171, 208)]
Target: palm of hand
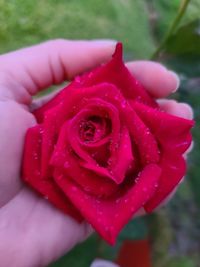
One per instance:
[(32, 231), (24, 215)]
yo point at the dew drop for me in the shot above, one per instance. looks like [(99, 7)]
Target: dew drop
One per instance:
[(59, 177), (100, 213), (78, 79), (107, 229), (74, 189), (66, 165), (117, 201), (123, 104), (35, 155), (37, 173), (87, 188), (132, 209)]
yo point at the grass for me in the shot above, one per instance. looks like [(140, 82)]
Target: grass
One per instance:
[(26, 22)]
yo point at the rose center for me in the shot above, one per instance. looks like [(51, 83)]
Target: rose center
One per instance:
[(94, 128)]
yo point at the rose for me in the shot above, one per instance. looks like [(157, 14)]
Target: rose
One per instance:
[(103, 149)]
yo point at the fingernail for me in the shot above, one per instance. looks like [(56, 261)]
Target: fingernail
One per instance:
[(176, 79), (187, 111)]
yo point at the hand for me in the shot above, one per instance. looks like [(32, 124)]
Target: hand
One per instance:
[(32, 232)]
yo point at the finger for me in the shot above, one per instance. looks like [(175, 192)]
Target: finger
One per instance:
[(156, 79), (52, 62), (182, 110)]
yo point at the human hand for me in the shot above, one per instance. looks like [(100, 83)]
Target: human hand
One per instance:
[(32, 232)]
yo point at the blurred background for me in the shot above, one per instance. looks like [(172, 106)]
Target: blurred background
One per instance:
[(161, 30)]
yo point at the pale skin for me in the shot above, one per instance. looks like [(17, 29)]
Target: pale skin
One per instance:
[(32, 232)]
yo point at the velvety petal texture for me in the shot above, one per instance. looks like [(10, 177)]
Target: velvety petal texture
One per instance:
[(103, 149)]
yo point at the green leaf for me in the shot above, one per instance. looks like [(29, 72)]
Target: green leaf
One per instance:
[(180, 262), (135, 229), (166, 11), (186, 66), (192, 13), (186, 40)]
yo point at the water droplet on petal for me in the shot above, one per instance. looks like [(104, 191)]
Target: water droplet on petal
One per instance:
[(123, 104), (37, 172), (59, 177), (117, 201), (87, 188), (132, 209), (107, 229), (66, 165), (74, 188)]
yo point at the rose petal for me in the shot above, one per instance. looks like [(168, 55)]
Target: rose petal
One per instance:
[(172, 132), (122, 157), (173, 169), (40, 112), (99, 108), (116, 73), (64, 159), (142, 137), (32, 174), (110, 215)]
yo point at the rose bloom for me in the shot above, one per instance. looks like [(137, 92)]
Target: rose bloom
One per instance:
[(103, 149)]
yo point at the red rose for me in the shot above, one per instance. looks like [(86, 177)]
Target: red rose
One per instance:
[(103, 149)]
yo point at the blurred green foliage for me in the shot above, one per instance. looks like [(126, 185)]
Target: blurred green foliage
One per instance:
[(27, 22), (140, 25)]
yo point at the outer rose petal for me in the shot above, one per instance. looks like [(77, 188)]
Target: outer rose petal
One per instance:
[(172, 132), (110, 215), (40, 112), (173, 169), (174, 137), (32, 174)]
